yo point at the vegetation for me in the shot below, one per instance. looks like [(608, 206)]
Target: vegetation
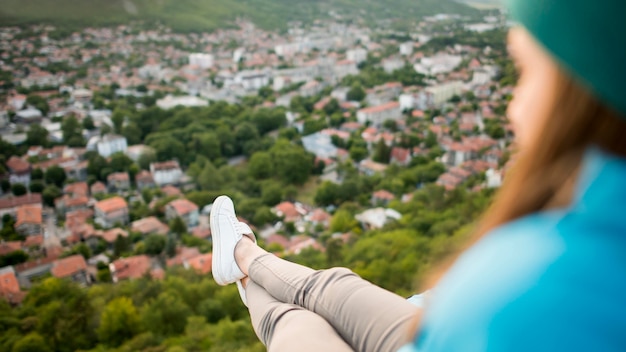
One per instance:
[(189, 312)]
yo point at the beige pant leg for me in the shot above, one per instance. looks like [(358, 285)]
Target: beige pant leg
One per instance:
[(285, 327), (366, 316)]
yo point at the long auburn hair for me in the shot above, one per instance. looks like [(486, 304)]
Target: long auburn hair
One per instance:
[(543, 175)]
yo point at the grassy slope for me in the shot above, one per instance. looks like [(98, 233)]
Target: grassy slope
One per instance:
[(191, 15)]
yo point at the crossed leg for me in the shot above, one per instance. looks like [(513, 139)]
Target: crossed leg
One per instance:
[(366, 317)]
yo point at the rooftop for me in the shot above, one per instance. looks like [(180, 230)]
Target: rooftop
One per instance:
[(68, 266), (28, 214), (182, 206), (111, 205)]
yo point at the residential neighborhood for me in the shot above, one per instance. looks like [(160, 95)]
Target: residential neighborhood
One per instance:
[(89, 196)]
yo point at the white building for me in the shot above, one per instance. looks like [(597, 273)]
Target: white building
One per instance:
[(170, 102), (390, 65), (376, 115), (320, 144), (201, 60), (441, 93), (252, 80), (406, 49), (166, 173), (357, 55), (441, 63), (108, 145), (494, 178)]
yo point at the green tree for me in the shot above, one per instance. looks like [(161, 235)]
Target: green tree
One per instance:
[(271, 193), (382, 153), (343, 221), (31, 342), (36, 186), (121, 245), (166, 315), (155, 244), (356, 93), (50, 193), (18, 189), (119, 322), (88, 123), (71, 129), (37, 135), (36, 174), (55, 175), (261, 166), (146, 158), (64, 314), (177, 226), (39, 103), (292, 164)]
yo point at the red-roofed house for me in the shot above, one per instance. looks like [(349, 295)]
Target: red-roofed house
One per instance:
[(28, 220), (130, 268), (73, 267), (201, 263), (289, 211), (377, 115), (183, 254), (98, 188), (9, 286), (382, 197), (319, 217), (184, 209), (9, 247), (118, 181), (10, 205), (149, 225), (144, 180), (400, 156), (111, 211), (19, 170)]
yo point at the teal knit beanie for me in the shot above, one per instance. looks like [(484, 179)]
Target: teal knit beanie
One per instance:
[(587, 37)]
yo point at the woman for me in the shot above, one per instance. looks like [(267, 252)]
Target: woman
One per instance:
[(547, 267)]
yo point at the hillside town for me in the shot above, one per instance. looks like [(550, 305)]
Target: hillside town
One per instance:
[(87, 197)]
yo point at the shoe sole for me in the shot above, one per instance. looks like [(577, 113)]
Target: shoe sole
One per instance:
[(217, 204)]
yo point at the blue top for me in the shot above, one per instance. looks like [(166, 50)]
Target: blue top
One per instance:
[(551, 281)]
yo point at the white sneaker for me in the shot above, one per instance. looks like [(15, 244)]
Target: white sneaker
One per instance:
[(226, 231)]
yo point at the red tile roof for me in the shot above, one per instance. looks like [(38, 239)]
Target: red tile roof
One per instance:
[(28, 214), (30, 199), (201, 263), (167, 165), (10, 288), (182, 206), (98, 187), (68, 266), (111, 235), (33, 241), (9, 247), (184, 254), (118, 176), (288, 210), (77, 189), (131, 267), (170, 190), (201, 232), (385, 195), (380, 108), (17, 165), (111, 204), (149, 225)]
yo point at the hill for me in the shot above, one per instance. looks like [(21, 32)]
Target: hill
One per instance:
[(206, 15)]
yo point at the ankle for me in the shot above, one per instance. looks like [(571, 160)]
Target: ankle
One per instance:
[(242, 253)]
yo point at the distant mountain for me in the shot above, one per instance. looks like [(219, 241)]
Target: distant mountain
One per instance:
[(194, 15)]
